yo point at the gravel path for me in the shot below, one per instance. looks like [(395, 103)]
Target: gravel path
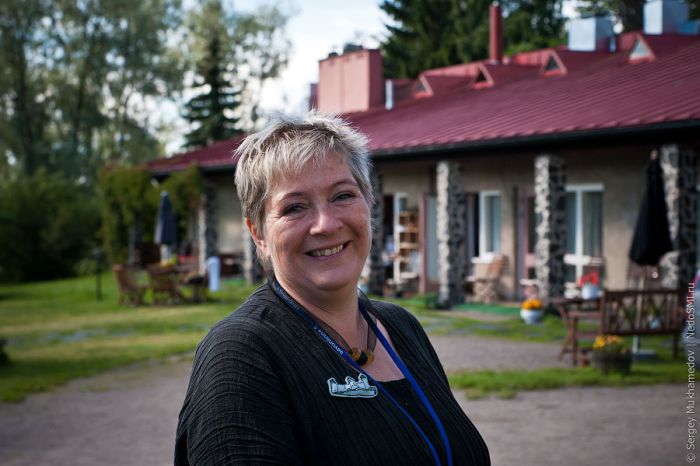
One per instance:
[(128, 417)]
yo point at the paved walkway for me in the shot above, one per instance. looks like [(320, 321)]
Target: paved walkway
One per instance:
[(128, 417)]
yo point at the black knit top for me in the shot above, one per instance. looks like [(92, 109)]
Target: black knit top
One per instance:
[(259, 394)]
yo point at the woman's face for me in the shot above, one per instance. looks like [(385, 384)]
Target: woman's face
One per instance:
[(317, 229)]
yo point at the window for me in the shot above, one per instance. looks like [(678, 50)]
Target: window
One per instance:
[(489, 223), (584, 228)]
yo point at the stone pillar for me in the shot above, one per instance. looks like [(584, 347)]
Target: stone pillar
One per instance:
[(451, 233), (550, 215), (680, 177), (199, 234), (207, 236), (252, 269), (376, 264), (211, 235)]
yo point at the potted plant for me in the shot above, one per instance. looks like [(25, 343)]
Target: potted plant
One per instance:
[(531, 311), (589, 284), (611, 355)]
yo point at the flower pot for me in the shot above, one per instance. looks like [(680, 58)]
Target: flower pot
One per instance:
[(531, 316), (589, 291), (615, 363)]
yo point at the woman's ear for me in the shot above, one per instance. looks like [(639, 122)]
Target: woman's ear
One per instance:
[(258, 238)]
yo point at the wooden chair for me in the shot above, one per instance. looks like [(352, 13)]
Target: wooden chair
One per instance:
[(164, 285), (484, 282), (573, 312), (130, 292)]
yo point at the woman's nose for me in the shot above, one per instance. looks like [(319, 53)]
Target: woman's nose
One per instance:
[(326, 221)]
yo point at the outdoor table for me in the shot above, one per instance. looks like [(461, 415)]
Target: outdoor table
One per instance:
[(573, 311)]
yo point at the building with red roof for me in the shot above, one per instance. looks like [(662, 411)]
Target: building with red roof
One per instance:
[(537, 160)]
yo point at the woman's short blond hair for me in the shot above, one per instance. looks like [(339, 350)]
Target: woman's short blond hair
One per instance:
[(286, 146)]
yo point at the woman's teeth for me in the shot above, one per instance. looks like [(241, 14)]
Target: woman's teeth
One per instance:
[(327, 252)]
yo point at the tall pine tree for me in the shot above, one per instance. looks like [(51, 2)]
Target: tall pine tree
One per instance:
[(426, 34), (213, 111), (233, 54)]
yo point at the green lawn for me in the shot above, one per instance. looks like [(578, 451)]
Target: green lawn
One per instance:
[(505, 384), (57, 331)]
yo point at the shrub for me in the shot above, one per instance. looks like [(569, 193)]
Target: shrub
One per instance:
[(48, 225)]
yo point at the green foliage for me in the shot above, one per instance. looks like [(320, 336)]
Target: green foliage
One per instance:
[(129, 200), (77, 79), (428, 34), (185, 189), (130, 204), (47, 225)]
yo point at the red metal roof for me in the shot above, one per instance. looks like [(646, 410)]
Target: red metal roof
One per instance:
[(595, 91), (215, 155), (609, 94)]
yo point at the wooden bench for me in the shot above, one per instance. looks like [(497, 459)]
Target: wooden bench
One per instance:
[(623, 313)]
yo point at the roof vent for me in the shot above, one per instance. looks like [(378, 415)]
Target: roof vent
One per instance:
[(639, 51), (481, 78), (551, 65), (591, 34)]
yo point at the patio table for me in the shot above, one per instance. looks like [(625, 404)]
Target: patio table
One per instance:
[(573, 311)]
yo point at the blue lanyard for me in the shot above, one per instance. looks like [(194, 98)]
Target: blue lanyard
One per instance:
[(304, 314)]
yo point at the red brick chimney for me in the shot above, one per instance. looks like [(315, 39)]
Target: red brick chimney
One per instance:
[(351, 82), (495, 33)]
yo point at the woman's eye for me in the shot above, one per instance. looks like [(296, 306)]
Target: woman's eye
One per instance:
[(344, 196), (292, 209)]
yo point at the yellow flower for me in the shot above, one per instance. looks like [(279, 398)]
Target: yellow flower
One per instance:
[(532, 303), (608, 344)]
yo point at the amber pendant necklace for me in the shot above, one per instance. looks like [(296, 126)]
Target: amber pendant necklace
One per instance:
[(361, 357)]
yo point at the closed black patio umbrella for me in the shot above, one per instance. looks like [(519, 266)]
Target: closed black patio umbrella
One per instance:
[(652, 238), (651, 234), (166, 225)]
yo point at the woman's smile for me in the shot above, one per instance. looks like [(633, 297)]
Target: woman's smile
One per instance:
[(325, 252)]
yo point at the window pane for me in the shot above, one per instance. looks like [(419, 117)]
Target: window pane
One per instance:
[(569, 273), (571, 223), (592, 223), (493, 223)]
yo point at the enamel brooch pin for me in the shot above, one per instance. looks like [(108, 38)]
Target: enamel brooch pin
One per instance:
[(351, 388)]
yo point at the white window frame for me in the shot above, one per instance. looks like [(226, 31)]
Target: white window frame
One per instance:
[(578, 259), (485, 255), (398, 197)]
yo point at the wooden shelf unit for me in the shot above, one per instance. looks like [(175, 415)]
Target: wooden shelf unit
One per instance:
[(408, 245)]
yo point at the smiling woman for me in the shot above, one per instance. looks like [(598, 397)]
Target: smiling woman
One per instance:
[(265, 383)]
